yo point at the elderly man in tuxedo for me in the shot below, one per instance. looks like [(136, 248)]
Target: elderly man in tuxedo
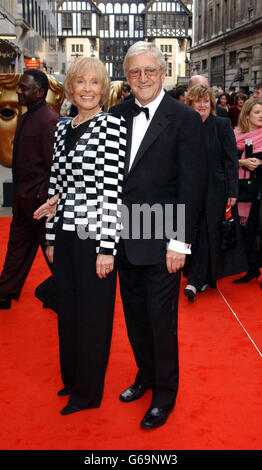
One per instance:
[(164, 169)]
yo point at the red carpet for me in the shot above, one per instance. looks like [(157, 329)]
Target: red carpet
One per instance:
[(219, 404)]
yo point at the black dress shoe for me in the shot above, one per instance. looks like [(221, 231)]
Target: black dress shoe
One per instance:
[(5, 303), (70, 408), (64, 391), (134, 392), (213, 284), (251, 274), (156, 417), (190, 293)]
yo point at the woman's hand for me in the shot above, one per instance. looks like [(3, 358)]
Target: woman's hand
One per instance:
[(104, 265), (48, 209), (250, 163), (50, 253)]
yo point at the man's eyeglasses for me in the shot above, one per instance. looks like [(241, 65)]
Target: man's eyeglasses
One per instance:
[(148, 71)]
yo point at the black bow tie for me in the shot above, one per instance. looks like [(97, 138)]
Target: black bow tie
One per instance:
[(138, 109)]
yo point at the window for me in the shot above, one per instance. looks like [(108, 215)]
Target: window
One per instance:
[(217, 18), (86, 20), (225, 15), (232, 58), (211, 22), (104, 22), (32, 13), (204, 64), (217, 62), (36, 17), (199, 7), (112, 53), (180, 22), (152, 21), (121, 22), (77, 48), (39, 21), (67, 20), (166, 21), (169, 69), (139, 22), (166, 48), (251, 9)]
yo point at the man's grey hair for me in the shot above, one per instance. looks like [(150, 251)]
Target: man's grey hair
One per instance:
[(144, 47)]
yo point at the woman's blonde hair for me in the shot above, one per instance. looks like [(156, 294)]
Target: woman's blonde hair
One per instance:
[(82, 66), (200, 91), (243, 123)]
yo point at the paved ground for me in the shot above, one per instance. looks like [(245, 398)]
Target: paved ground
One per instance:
[(5, 174)]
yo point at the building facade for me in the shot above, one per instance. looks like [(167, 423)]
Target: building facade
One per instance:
[(107, 28), (29, 26), (40, 41), (11, 54), (227, 42)]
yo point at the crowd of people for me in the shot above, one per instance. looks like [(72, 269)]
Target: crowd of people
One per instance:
[(244, 122), (157, 149)]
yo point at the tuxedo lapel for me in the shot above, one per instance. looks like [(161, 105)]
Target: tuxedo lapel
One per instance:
[(127, 114), (159, 122)]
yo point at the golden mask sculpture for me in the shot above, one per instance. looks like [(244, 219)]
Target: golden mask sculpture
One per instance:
[(115, 93), (10, 110)]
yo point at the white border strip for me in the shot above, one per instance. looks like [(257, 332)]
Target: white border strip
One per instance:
[(242, 326)]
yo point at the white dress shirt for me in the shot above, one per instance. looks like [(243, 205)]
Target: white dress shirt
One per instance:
[(140, 126)]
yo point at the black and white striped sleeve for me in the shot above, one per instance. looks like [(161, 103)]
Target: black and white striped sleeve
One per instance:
[(109, 181), (54, 186)]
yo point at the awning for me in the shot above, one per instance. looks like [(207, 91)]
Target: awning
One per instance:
[(8, 51)]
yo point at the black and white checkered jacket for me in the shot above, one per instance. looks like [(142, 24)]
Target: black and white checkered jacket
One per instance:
[(89, 182)]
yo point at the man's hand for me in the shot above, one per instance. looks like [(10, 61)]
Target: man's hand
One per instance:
[(174, 261)]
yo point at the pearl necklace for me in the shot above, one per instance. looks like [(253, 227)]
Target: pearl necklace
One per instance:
[(74, 126)]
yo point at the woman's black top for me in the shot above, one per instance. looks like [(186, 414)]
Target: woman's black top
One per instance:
[(73, 135)]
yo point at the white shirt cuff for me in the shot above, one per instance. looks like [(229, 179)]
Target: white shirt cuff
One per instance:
[(179, 247)]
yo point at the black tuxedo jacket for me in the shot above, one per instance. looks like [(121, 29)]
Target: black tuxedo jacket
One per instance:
[(169, 169)]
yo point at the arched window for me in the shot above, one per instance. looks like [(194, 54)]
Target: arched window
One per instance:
[(109, 8), (117, 8), (141, 7), (133, 8), (102, 7), (125, 8)]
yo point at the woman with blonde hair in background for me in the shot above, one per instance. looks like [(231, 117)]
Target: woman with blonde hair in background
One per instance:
[(249, 136)]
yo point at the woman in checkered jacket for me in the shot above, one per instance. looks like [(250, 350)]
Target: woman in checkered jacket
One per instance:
[(86, 184)]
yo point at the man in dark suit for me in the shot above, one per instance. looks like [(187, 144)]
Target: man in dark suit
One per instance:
[(164, 167), (32, 157)]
